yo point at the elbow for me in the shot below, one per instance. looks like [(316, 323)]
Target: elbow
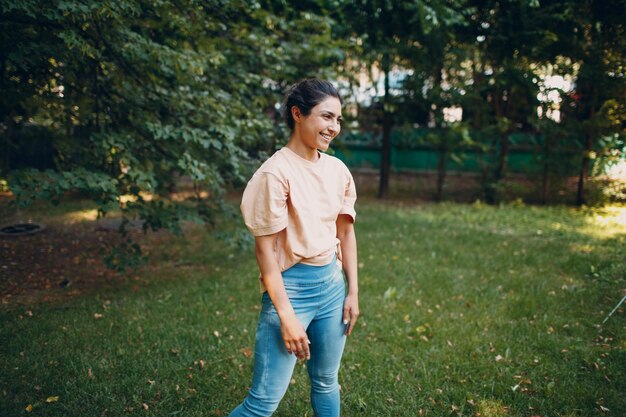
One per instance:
[(345, 232)]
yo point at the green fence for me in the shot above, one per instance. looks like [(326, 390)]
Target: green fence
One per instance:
[(425, 159), (411, 152)]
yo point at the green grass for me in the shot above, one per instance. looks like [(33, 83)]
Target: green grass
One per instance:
[(466, 309)]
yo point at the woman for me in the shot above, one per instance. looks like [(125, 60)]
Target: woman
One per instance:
[(299, 205)]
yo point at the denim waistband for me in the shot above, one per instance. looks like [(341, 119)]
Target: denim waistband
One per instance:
[(311, 273)]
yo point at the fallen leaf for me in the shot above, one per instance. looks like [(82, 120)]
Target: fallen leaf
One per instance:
[(29, 408), (52, 399), (145, 406), (150, 382), (390, 293), (216, 334), (247, 352), (499, 358), (89, 373), (98, 316), (201, 364)]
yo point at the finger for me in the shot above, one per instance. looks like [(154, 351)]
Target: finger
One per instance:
[(351, 326), (346, 315), (353, 320), (307, 349)]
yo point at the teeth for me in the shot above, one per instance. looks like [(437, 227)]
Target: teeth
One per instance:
[(327, 137)]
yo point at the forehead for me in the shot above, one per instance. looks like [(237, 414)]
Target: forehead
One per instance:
[(329, 104)]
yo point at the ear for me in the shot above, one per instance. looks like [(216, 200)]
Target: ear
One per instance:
[(296, 114)]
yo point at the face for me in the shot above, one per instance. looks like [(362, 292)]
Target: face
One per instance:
[(321, 126)]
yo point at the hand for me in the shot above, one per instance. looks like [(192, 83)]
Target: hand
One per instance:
[(295, 337), (350, 312)]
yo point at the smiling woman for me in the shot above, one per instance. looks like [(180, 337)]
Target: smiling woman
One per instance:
[(299, 205), (312, 110)]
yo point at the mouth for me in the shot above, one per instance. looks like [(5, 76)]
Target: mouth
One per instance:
[(327, 137)]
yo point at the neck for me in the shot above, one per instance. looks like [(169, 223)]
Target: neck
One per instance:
[(297, 146)]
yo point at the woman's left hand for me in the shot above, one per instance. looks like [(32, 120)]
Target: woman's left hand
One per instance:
[(350, 312)]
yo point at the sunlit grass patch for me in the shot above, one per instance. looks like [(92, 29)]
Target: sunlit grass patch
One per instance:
[(607, 222)]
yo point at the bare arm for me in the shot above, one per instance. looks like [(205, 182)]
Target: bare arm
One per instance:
[(294, 335), (347, 239)]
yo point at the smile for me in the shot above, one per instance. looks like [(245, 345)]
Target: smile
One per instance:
[(327, 137)]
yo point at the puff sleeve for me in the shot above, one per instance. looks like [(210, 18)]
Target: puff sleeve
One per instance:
[(349, 197), (264, 204)]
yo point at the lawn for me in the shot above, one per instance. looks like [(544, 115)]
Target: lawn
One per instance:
[(467, 310)]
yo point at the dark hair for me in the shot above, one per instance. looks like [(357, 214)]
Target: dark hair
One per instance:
[(305, 95)]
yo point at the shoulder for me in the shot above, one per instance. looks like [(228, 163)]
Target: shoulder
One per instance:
[(337, 167), (334, 162), (274, 165)]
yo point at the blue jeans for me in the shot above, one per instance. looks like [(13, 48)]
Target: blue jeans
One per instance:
[(317, 294)]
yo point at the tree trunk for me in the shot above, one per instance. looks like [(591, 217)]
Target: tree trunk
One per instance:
[(499, 172), (544, 183), (548, 146), (8, 120), (385, 154), (442, 149), (96, 89), (503, 157), (503, 153), (442, 155), (584, 169)]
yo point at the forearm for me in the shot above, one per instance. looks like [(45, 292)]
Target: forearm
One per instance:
[(347, 238), (273, 280)]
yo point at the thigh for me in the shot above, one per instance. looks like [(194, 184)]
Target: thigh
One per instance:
[(273, 366), (327, 332)]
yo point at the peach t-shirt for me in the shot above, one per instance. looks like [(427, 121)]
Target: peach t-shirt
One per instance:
[(301, 200)]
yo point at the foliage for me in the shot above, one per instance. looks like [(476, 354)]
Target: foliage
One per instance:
[(132, 96)]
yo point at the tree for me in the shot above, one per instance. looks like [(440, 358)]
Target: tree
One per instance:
[(388, 31), (129, 96), (597, 44), (508, 40)]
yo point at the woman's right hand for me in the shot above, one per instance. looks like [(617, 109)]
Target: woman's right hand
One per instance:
[(295, 337)]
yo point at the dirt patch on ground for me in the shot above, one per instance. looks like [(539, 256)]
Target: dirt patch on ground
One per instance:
[(63, 261)]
